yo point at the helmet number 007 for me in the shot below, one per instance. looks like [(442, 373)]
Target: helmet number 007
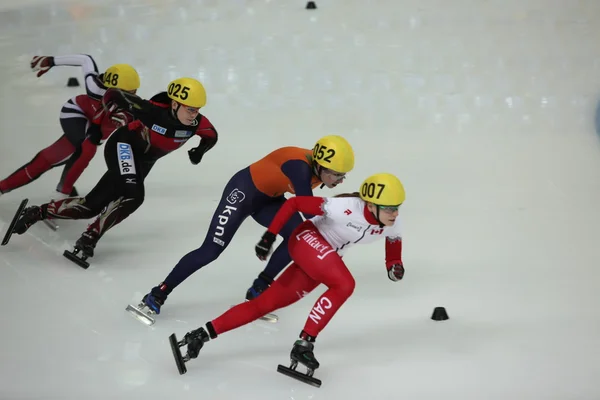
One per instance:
[(323, 153), (112, 79), (368, 190), (176, 90)]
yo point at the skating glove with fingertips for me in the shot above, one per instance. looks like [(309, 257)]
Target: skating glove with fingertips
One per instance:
[(263, 248), (396, 272), (42, 64)]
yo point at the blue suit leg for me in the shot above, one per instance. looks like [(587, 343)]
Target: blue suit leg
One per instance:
[(234, 207), (281, 256)]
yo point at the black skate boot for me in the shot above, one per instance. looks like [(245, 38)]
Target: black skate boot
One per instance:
[(302, 353), (194, 340), (30, 216), (149, 305), (86, 245)]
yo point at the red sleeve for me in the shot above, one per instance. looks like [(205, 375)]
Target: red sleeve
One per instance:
[(88, 150), (393, 251), (306, 204), (206, 129)]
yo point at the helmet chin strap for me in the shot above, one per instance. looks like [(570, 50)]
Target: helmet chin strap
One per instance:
[(381, 225), (317, 169), (175, 111)]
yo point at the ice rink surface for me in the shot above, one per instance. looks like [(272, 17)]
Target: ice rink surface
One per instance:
[(484, 109)]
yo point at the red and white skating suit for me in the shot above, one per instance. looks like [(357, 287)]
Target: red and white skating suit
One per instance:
[(316, 247)]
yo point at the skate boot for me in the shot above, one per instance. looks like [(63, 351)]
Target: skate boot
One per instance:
[(194, 340), (262, 283), (302, 353), (30, 216), (150, 305), (86, 245)]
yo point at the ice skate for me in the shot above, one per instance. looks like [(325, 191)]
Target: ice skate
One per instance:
[(149, 306), (302, 353), (22, 220), (84, 245), (194, 340)]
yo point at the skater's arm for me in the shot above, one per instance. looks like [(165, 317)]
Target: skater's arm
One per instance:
[(126, 101), (305, 204), (209, 138), (300, 174), (86, 62), (393, 251)]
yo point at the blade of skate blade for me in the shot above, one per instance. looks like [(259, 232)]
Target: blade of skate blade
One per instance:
[(11, 227), (299, 376), (72, 257), (177, 354), (140, 315), (270, 318), (51, 225)]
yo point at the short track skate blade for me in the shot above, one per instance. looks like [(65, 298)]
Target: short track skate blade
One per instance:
[(270, 318), (299, 376), (141, 316), (11, 227), (71, 256), (51, 224), (177, 354)]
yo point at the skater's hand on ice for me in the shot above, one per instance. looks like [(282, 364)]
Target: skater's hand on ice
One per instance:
[(263, 248), (396, 272), (42, 64)]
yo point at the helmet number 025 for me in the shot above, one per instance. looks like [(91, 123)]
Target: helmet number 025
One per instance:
[(111, 79), (176, 90), (323, 153), (368, 190)]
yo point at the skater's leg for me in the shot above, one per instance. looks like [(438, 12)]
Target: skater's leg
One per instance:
[(54, 155), (324, 266), (280, 257), (69, 208), (226, 220), (81, 159), (291, 286), (237, 202)]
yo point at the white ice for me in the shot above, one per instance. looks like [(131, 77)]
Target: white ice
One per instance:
[(485, 110)]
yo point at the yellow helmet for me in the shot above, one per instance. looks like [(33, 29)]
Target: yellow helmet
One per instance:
[(187, 91), (335, 153), (121, 76), (383, 190)]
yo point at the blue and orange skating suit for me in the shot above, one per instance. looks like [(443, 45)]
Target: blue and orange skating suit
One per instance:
[(285, 170)]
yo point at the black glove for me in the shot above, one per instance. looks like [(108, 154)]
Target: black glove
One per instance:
[(263, 248), (196, 154), (396, 272)]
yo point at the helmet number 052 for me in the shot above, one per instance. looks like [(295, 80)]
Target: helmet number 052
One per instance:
[(112, 79), (176, 90), (323, 153), (368, 190)]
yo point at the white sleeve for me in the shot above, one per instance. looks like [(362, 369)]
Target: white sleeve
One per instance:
[(84, 61)]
